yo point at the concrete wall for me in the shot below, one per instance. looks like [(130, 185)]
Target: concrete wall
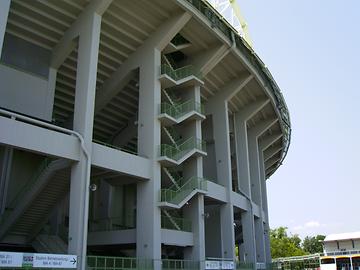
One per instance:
[(23, 92)]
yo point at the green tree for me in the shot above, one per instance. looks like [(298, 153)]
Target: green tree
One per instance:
[(284, 245), (313, 244)]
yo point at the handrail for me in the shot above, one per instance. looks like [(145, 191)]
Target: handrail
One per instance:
[(115, 147), (183, 223), (15, 116), (176, 196), (117, 263), (179, 110), (183, 147), (180, 73), (173, 264)]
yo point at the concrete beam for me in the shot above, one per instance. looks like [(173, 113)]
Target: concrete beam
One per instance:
[(125, 135), (37, 139), (67, 43), (207, 60), (266, 142), (122, 75), (261, 127), (251, 109), (108, 158), (228, 91)]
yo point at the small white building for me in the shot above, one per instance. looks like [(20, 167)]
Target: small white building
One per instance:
[(342, 242)]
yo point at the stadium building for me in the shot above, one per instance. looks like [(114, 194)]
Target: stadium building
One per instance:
[(136, 133)]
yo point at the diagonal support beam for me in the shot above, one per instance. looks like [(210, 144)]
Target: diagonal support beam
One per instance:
[(266, 142), (124, 78), (67, 43), (207, 60), (261, 127), (229, 90), (250, 110), (158, 40)]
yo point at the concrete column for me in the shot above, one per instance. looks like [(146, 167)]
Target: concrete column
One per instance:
[(249, 247), (265, 208), (242, 154), (4, 11), (5, 176), (222, 151), (256, 195), (148, 223), (83, 123), (254, 169), (195, 210)]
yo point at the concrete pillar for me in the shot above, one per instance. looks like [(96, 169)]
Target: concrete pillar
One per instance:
[(195, 210), (242, 154), (4, 11), (265, 208), (260, 240), (254, 169), (5, 176), (249, 247), (222, 151), (148, 223), (83, 123)]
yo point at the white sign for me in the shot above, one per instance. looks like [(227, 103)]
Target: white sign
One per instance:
[(212, 265), (227, 265), (11, 259), (54, 261)]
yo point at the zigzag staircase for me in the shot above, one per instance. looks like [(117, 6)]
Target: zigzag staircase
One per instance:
[(175, 112), (186, 75), (30, 209), (176, 198), (172, 220), (170, 155)]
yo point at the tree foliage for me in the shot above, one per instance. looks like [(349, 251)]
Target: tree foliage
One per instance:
[(312, 244), (284, 245)]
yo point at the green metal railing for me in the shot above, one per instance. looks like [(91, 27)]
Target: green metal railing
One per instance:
[(183, 148), (115, 147), (184, 224), (179, 110), (113, 223), (176, 196), (20, 195), (118, 263), (168, 264), (180, 73), (217, 21), (244, 266)]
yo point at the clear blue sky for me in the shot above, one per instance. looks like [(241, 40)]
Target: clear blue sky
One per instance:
[(312, 48)]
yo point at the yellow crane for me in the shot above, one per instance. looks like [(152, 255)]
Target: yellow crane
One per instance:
[(230, 10)]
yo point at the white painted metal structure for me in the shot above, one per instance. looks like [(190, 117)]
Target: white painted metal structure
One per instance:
[(114, 116)]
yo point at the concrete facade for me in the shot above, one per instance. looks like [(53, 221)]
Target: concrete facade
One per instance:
[(136, 129)]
